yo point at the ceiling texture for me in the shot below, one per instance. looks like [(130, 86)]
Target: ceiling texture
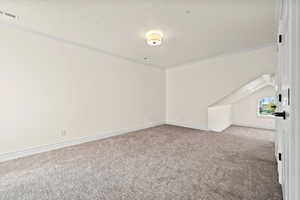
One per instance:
[(193, 29)]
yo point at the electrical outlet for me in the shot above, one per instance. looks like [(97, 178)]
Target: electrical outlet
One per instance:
[(63, 133)]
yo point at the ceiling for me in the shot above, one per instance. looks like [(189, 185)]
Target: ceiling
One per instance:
[(193, 29)]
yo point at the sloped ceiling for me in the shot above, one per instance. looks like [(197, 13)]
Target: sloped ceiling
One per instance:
[(247, 89), (193, 29)]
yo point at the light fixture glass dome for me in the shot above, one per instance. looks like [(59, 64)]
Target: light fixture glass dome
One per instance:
[(154, 38)]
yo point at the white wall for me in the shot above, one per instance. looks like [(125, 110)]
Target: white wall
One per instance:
[(192, 88), (244, 112), (219, 117), (47, 86)]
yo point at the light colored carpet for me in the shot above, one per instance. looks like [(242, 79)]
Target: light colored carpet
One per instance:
[(161, 163)]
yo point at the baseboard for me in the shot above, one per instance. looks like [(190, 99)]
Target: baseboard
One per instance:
[(50, 147), (187, 125), (220, 130), (252, 126)]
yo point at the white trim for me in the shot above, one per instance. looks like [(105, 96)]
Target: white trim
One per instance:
[(192, 126), (252, 126), (50, 147), (294, 29), (297, 100)]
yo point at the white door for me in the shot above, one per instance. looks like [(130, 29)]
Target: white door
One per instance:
[(288, 130), (284, 138)]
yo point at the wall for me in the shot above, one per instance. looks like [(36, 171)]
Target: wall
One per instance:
[(53, 92), (193, 87), (219, 117), (244, 112)]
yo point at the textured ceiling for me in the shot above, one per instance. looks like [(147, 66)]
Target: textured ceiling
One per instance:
[(193, 30)]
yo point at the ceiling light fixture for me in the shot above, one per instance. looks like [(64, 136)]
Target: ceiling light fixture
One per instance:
[(154, 38)]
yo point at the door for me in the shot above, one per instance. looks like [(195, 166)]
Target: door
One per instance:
[(283, 103)]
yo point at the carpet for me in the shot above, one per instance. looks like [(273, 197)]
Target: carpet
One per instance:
[(160, 163)]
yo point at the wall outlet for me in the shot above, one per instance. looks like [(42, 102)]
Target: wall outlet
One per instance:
[(63, 133)]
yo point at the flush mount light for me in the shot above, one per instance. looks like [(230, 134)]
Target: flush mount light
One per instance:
[(154, 38)]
